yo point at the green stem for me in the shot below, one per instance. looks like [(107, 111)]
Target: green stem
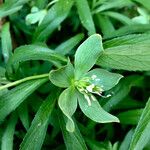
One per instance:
[(23, 80)]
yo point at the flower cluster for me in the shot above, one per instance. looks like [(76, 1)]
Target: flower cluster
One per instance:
[(87, 86)]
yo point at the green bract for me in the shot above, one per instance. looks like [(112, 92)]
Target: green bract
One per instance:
[(82, 84)]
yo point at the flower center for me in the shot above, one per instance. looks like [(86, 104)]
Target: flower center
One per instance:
[(87, 87)]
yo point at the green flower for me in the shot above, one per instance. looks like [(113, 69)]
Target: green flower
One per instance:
[(82, 84)]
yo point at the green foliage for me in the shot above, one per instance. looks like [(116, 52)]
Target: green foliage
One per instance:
[(75, 74)]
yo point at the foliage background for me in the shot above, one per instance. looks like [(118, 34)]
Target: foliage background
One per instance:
[(28, 40)]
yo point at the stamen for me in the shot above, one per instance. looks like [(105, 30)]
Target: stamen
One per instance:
[(93, 77), (88, 99), (93, 98), (97, 79), (90, 87)]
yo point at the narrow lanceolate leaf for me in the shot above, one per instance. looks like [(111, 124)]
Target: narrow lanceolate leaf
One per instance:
[(104, 24), (141, 135), (95, 112), (7, 138), (68, 45), (6, 10), (103, 78), (68, 104), (87, 54), (73, 140), (24, 115), (55, 16), (63, 76), (126, 141), (120, 17), (36, 133), (10, 7), (127, 57), (129, 29), (113, 4), (6, 41), (127, 40), (85, 16), (33, 52), (13, 98)]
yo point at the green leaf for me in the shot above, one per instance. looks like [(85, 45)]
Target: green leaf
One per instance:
[(141, 135), (120, 17), (127, 57), (13, 98), (36, 133), (7, 139), (65, 47), (33, 52), (2, 72), (55, 16), (62, 77), (145, 3), (73, 140), (96, 145), (6, 41), (128, 40), (68, 104), (113, 4), (85, 16), (95, 112), (10, 7), (121, 91), (24, 115), (104, 79), (6, 10), (126, 141), (87, 54), (132, 115), (104, 24), (129, 29)]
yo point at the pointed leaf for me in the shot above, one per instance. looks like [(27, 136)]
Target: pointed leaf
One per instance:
[(85, 15), (36, 133), (63, 76), (24, 115), (134, 57), (127, 40), (33, 52), (104, 79), (13, 98), (6, 41), (7, 139), (95, 112), (141, 135), (87, 54), (68, 104), (55, 16), (73, 140), (126, 141), (65, 47)]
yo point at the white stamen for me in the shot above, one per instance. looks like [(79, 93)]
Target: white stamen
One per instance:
[(90, 87), (93, 77), (108, 95), (97, 79), (88, 99), (93, 98)]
